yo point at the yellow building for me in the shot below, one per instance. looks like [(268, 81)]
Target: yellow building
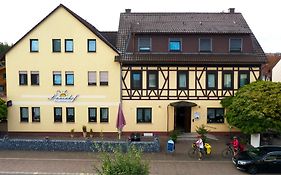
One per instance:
[(172, 71), (61, 75)]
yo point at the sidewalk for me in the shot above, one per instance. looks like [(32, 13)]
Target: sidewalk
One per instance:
[(182, 146)]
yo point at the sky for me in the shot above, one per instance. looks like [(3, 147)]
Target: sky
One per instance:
[(19, 16)]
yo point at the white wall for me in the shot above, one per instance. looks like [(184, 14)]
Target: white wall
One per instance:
[(276, 72)]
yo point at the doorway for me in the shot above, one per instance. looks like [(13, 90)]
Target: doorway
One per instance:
[(182, 119)]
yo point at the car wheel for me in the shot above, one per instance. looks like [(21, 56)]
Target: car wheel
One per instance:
[(252, 169)]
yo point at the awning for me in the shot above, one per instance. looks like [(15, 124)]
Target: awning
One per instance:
[(183, 104)]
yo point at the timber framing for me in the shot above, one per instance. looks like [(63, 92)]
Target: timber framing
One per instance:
[(196, 84)]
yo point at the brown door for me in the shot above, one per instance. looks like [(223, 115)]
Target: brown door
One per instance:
[(183, 119)]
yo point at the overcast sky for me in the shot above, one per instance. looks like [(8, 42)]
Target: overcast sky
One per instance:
[(19, 16)]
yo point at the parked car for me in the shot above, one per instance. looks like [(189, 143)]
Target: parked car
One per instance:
[(260, 159)]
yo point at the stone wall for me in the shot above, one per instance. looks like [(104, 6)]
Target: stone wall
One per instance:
[(77, 145)]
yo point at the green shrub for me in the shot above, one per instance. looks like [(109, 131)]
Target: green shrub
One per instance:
[(201, 130), (120, 163), (174, 135)]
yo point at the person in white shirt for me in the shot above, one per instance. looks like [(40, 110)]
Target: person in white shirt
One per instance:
[(200, 145)]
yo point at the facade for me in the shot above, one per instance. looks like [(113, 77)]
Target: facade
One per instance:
[(62, 75), (169, 71), (269, 72), (276, 71), (176, 67)]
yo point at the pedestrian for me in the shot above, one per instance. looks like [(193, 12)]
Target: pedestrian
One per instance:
[(200, 145), (235, 145)]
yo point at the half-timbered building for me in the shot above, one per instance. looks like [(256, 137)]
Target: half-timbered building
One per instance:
[(176, 68)]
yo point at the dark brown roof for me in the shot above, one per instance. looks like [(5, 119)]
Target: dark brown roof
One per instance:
[(110, 36), (84, 22), (178, 58), (273, 59), (181, 23)]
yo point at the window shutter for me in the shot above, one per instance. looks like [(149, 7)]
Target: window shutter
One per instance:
[(103, 78), (92, 77)]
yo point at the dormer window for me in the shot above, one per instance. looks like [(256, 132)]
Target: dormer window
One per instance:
[(144, 44), (175, 45), (235, 45), (205, 45)]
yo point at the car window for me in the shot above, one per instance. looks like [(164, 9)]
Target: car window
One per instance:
[(256, 152), (270, 158)]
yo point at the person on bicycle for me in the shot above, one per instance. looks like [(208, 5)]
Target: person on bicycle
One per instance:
[(235, 145), (200, 145)]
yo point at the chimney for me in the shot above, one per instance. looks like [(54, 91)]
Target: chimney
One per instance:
[(231, 10), (128, 10)]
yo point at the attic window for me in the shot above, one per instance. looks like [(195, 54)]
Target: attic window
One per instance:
[(144, 44), (34, 45), (235, 45)]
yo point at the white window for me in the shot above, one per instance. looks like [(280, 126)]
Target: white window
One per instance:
[(103, 78), (92, 78)]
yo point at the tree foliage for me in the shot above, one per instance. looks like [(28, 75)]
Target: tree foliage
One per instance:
[(3, 47), (255, 108), (119, 162), (3, 109)]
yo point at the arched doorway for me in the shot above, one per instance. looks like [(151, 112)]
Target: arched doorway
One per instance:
[(182, 115)]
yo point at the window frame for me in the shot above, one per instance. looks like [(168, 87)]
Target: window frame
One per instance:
[(68, 119), (231, 50), (88, 45), (239, 77), (211, 45), (65, 45), (232, 79), (143, 115), (216, 79), (33, 114), (178, 79), (104, 83), (94, 83), (53, 45), (101, 114), (69, 73), (23, 74), (144, 49), (57, 120), (215, 113), (54, 75), (179, 40), (31, 49), (24, 119), (89, 117), (132, 80), (36, 73), (152, 72)]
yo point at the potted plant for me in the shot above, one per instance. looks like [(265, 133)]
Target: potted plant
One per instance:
[(174, 135), (91, 133), (202, 131), (72, 133), (84, 129)]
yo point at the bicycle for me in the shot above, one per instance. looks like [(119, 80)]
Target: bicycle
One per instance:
[(195, 151), (228, 152)]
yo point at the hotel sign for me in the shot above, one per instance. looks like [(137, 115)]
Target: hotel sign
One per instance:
[(63, 96)]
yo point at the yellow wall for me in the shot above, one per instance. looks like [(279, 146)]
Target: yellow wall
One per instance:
[(163, 115), (62, 25)]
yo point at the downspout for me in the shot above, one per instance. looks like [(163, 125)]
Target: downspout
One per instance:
[(168, 117)]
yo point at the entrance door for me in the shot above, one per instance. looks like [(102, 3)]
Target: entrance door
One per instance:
[(183, 119)]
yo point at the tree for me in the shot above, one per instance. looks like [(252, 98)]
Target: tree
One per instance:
[(3, 109), (3, 48), (255, 108)]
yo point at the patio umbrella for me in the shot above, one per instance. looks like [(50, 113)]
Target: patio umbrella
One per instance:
[(121, 122)]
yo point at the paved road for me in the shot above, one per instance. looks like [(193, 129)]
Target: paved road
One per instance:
[(60, 163)]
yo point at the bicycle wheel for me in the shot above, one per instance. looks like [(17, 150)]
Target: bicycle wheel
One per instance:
[(192, 153), (227, 153)]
